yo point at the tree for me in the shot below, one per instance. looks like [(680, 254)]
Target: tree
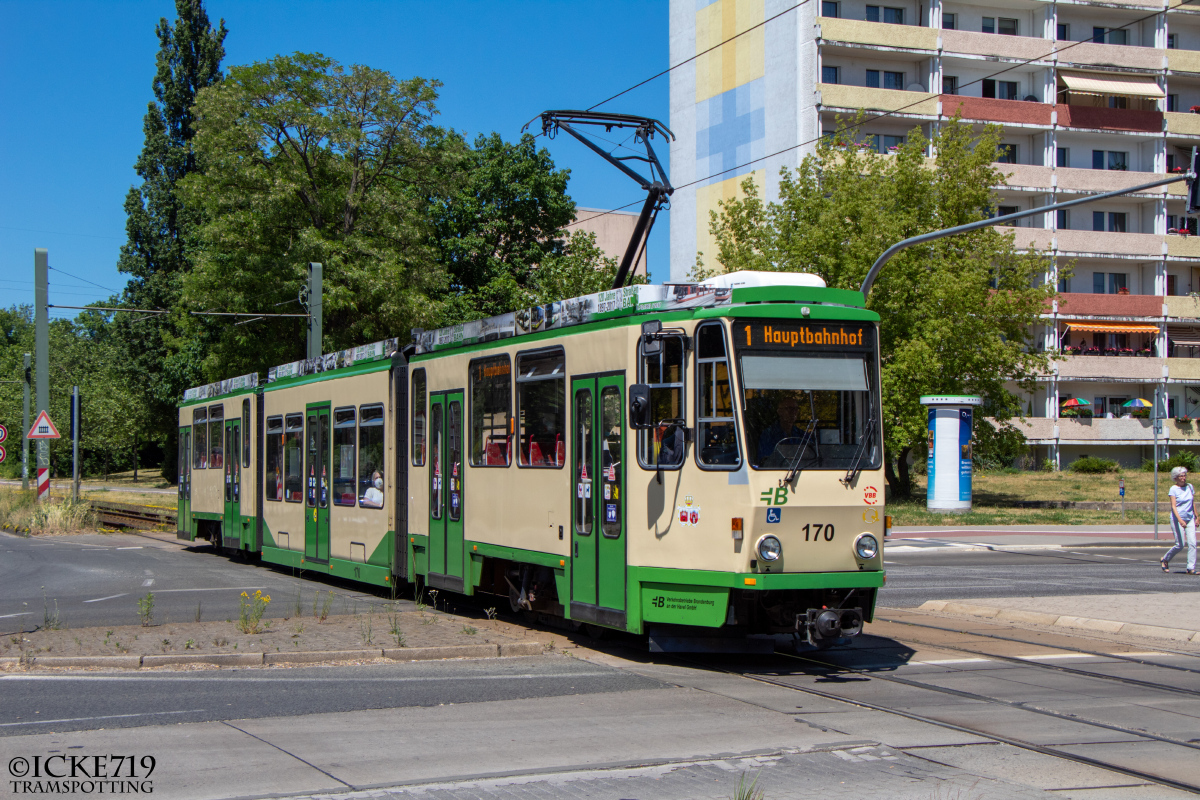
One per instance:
[(956, 313), (159, 226), (304, 160)]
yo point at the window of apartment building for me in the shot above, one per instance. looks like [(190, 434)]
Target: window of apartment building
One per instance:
[(1063, 219), (1172, 286), (1114, 281), (1179, 224), (1000, 90), (1004, 26), (1110, 159), (884, 143), (892, 16), (1006, 154), (1064, 32), (989, 25), (1004, 211), (1062, 156), (829, 9), (1172, 102), (1118, 102), (1117, 221), (1109, 35), (1171, 45), (949, 22), (1064, 284), (891, 80), (1170, 161), (829, 74), (949, 84)]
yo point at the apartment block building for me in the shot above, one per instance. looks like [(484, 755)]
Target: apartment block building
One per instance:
[(1092, 96)]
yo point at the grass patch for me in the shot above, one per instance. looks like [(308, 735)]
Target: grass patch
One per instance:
[(19, 510)]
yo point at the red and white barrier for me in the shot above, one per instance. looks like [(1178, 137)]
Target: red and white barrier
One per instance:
[(43, 482)]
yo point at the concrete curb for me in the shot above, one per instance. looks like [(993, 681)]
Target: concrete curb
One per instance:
[(510, 650), (1062, 621), (896, 546)]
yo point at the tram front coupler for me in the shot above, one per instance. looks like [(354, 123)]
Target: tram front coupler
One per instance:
[(823, 627)]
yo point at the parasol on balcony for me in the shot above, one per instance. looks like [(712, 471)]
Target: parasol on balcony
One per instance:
[(1138, 402), (1075, 402)]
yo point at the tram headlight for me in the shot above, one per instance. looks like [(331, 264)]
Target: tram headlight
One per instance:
[(866, 546), (769, 548)]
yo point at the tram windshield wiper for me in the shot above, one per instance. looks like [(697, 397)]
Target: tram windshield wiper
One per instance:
[(863, 448), (810, 435)]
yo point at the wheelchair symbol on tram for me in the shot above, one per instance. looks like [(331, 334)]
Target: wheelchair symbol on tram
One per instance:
[(774, 514)]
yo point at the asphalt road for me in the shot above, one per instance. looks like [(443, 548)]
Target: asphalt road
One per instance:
[(37, 702), (96, 579), (915, 577)]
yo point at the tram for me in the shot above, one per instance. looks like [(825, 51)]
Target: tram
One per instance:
[(702, 463)]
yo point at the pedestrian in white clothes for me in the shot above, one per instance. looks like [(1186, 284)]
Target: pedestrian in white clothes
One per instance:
[(1183, 520)]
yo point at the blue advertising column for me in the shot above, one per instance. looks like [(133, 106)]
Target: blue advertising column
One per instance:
[(949, 465)]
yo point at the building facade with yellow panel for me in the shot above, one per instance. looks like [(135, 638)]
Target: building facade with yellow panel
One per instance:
[(1092, 96)]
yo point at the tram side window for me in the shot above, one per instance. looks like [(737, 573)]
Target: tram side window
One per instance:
[(418, 418), (491, 404), (343, 456), (246, 432), (200, 438), (273, 476), (293, 458), (216, 436), (663, 445), (541, 407), (716, 435), (370, 456)]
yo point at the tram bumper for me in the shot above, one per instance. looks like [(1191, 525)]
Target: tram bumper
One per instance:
[(828, 626)]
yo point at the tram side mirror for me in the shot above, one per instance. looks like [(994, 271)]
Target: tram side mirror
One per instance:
[(651, 344), (639, 407)]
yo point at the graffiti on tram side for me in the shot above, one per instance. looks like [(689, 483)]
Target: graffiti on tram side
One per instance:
[(684, 605)]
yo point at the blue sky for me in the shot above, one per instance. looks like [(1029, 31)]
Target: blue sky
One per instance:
[(77, 80)]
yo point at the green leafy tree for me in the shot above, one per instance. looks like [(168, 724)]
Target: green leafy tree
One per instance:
[(304, 160), (956, 313), (160, 227)]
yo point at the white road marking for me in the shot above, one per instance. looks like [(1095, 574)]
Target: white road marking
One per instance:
[(88, 719), (110, 597), (148, 582), (1057, 655), (22, 614), (215, 589), (953, 661), (139, 547)]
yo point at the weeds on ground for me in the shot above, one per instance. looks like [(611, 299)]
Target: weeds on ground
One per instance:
[(297, 629), (50, 620), (250, 611), (749, 791), (468, 630), (394, 629), (146, 609), (220, 641), (326, 606), (298, 608), (199, 610), (366, 628), (190, 644)]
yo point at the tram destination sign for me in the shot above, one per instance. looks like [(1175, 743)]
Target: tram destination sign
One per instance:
[(786, 335)]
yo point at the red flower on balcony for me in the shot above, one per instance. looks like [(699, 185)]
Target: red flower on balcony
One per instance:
[(1195, 109)]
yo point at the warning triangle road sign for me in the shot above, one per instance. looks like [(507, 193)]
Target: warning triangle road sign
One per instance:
[(43, 428)]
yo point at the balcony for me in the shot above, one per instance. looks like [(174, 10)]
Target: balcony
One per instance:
[(988, 109), (1183, 307), (853, 31), (1117, 368), (1088, 431), (1183, 369), (1182, 124), (1079, 304), (835, 95), (1111, 55), (1183, 61), (1104, 180), (1183, 246), (1017, 48), (1109, 119), (1145, 245)]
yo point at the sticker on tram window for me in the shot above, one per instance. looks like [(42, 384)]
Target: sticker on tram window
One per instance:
[(612, 472), (775, 497), (579, 490), (610, 512), (587, 490), (607, 491), (774, 514)]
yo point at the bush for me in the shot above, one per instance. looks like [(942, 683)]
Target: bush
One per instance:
[(1182, 458), (1092, 465), (1047, 465)]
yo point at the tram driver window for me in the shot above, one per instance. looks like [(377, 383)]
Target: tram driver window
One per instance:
[(664, 444), (343, 457), (216, 435), (491, 404), (246, 432), (418, 418), (200, 438), (370, 456), (274, 467), (716, 435), (293, 459), (541, 407)]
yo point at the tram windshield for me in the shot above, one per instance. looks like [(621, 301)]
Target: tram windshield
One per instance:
[(810, 397)]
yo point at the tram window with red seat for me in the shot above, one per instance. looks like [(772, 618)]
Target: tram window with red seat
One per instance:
[(418, 418), (491, 410), (216, 437), (541, 407), (200, 438), (370, 456), (273, 474), (344, 440), (293, 459)]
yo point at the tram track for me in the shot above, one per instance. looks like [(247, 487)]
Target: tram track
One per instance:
[(133, 516), (1013, 741)]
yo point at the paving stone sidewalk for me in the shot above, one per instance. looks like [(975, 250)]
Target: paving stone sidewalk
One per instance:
[(861, 772)]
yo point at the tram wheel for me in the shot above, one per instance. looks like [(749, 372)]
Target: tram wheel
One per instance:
[(594, 631)]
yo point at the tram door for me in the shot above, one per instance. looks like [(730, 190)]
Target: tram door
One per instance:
[(598, 547), (446, 490), (316, 484), (184, 512), (232, 528)]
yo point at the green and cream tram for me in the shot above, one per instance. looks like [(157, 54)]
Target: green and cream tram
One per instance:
[(700, 462)]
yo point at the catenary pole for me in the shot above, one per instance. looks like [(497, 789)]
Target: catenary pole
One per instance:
[(314, 309), (41, 349), (75, 443), (25, 428)]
